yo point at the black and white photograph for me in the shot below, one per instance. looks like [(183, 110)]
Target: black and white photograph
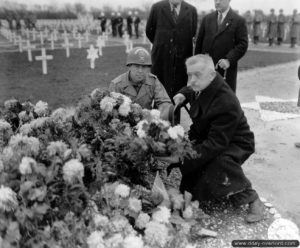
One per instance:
[(149, 123)]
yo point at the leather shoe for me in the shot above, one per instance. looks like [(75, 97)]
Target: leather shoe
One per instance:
[(255, 212)]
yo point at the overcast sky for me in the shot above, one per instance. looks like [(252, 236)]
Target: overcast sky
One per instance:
[(241, 5)]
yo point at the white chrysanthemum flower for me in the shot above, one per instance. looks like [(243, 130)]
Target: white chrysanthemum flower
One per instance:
[(282, 229), (188, 212), (126, 99), (95, 240), (140, 129), (191, 246), (1, 166), (100, 220), (155, 113), (62, 114), (133, 242), (122, 190), (25, 117), (135, 205), (156, 234), (176, 132), (118, 224), (107, 104), (116, 95), (41, 108), (40, 122), (57, 148), (164, 123), (28, 145), (8, 199), (95, 93), (124, 109), (73, 169), (114, 241), (4, 125), (25, 129), (162, 215), (7, 153), (10, 103), (26, 165), (142, 220)]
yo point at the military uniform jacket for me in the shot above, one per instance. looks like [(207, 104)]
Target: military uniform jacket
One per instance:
[(152, 94)]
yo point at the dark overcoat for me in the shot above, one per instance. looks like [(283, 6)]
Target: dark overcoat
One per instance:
[(223, 141), (272, 26), (230, 41), (172, 43), (281, 26)]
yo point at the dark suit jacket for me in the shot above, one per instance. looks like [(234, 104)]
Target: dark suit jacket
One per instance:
[(172, 43), (222, 139), (229, 42)]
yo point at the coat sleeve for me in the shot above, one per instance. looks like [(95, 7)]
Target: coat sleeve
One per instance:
[(241, 43), (223, 125), (201, 34), (194, 22), (188, 93), (151, 25), (113, 87)]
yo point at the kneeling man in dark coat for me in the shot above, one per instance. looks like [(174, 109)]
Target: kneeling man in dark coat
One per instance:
[(222, 137)]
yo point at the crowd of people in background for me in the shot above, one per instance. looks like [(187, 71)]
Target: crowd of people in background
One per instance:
[(275, 28)]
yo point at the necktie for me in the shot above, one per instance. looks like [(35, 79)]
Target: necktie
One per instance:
[(219, 19), (174, 12)]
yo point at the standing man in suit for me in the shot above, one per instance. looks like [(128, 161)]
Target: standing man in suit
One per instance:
[(280, 27), (129, 24), (171, 27), (136, 23), (223, 35)]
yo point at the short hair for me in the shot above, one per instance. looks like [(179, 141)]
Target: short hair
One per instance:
[(201, 59)]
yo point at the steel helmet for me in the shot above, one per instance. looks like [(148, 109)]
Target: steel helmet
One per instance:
[(139, 56)]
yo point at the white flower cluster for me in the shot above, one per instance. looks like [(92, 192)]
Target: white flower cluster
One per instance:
[(28, 145), (73, 169), (134, 204), (62, 114), (162, 215), (41, 122), (95, 240), (1, 165), (4, 125), (282, 229), (26, 165), (57, 148), (25, 117), (10, 103), (122, 190), (176, 132), (8, 199), (124, 108), (141, 128), (156, 234), (100, 220), (107, 104), (41, 108), (142, 220)]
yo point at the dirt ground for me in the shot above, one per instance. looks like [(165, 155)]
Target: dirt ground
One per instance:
[(274, 169)]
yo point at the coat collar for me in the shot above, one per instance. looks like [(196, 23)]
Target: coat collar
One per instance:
[(167, 11), (130, 90), (206, 97), (226, 22)]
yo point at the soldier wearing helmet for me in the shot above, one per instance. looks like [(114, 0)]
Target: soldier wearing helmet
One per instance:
[(141, 86)]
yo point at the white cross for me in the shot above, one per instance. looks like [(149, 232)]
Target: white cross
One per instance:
[(33, 34), (15, 37), (29, 47), (55, 32), (27, 33), (44, 59), (92, 56), (100, 44), (67, 45), (87, 35), (144, 38), (46, 32), (74, 33), (20, 44), (42, 38), (79, 38), (52, 41), (65, 34)]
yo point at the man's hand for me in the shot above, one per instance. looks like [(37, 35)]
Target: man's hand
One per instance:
[(179, 99), (223, 64)]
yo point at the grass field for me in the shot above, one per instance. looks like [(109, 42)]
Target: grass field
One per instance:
[(70, 79)]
